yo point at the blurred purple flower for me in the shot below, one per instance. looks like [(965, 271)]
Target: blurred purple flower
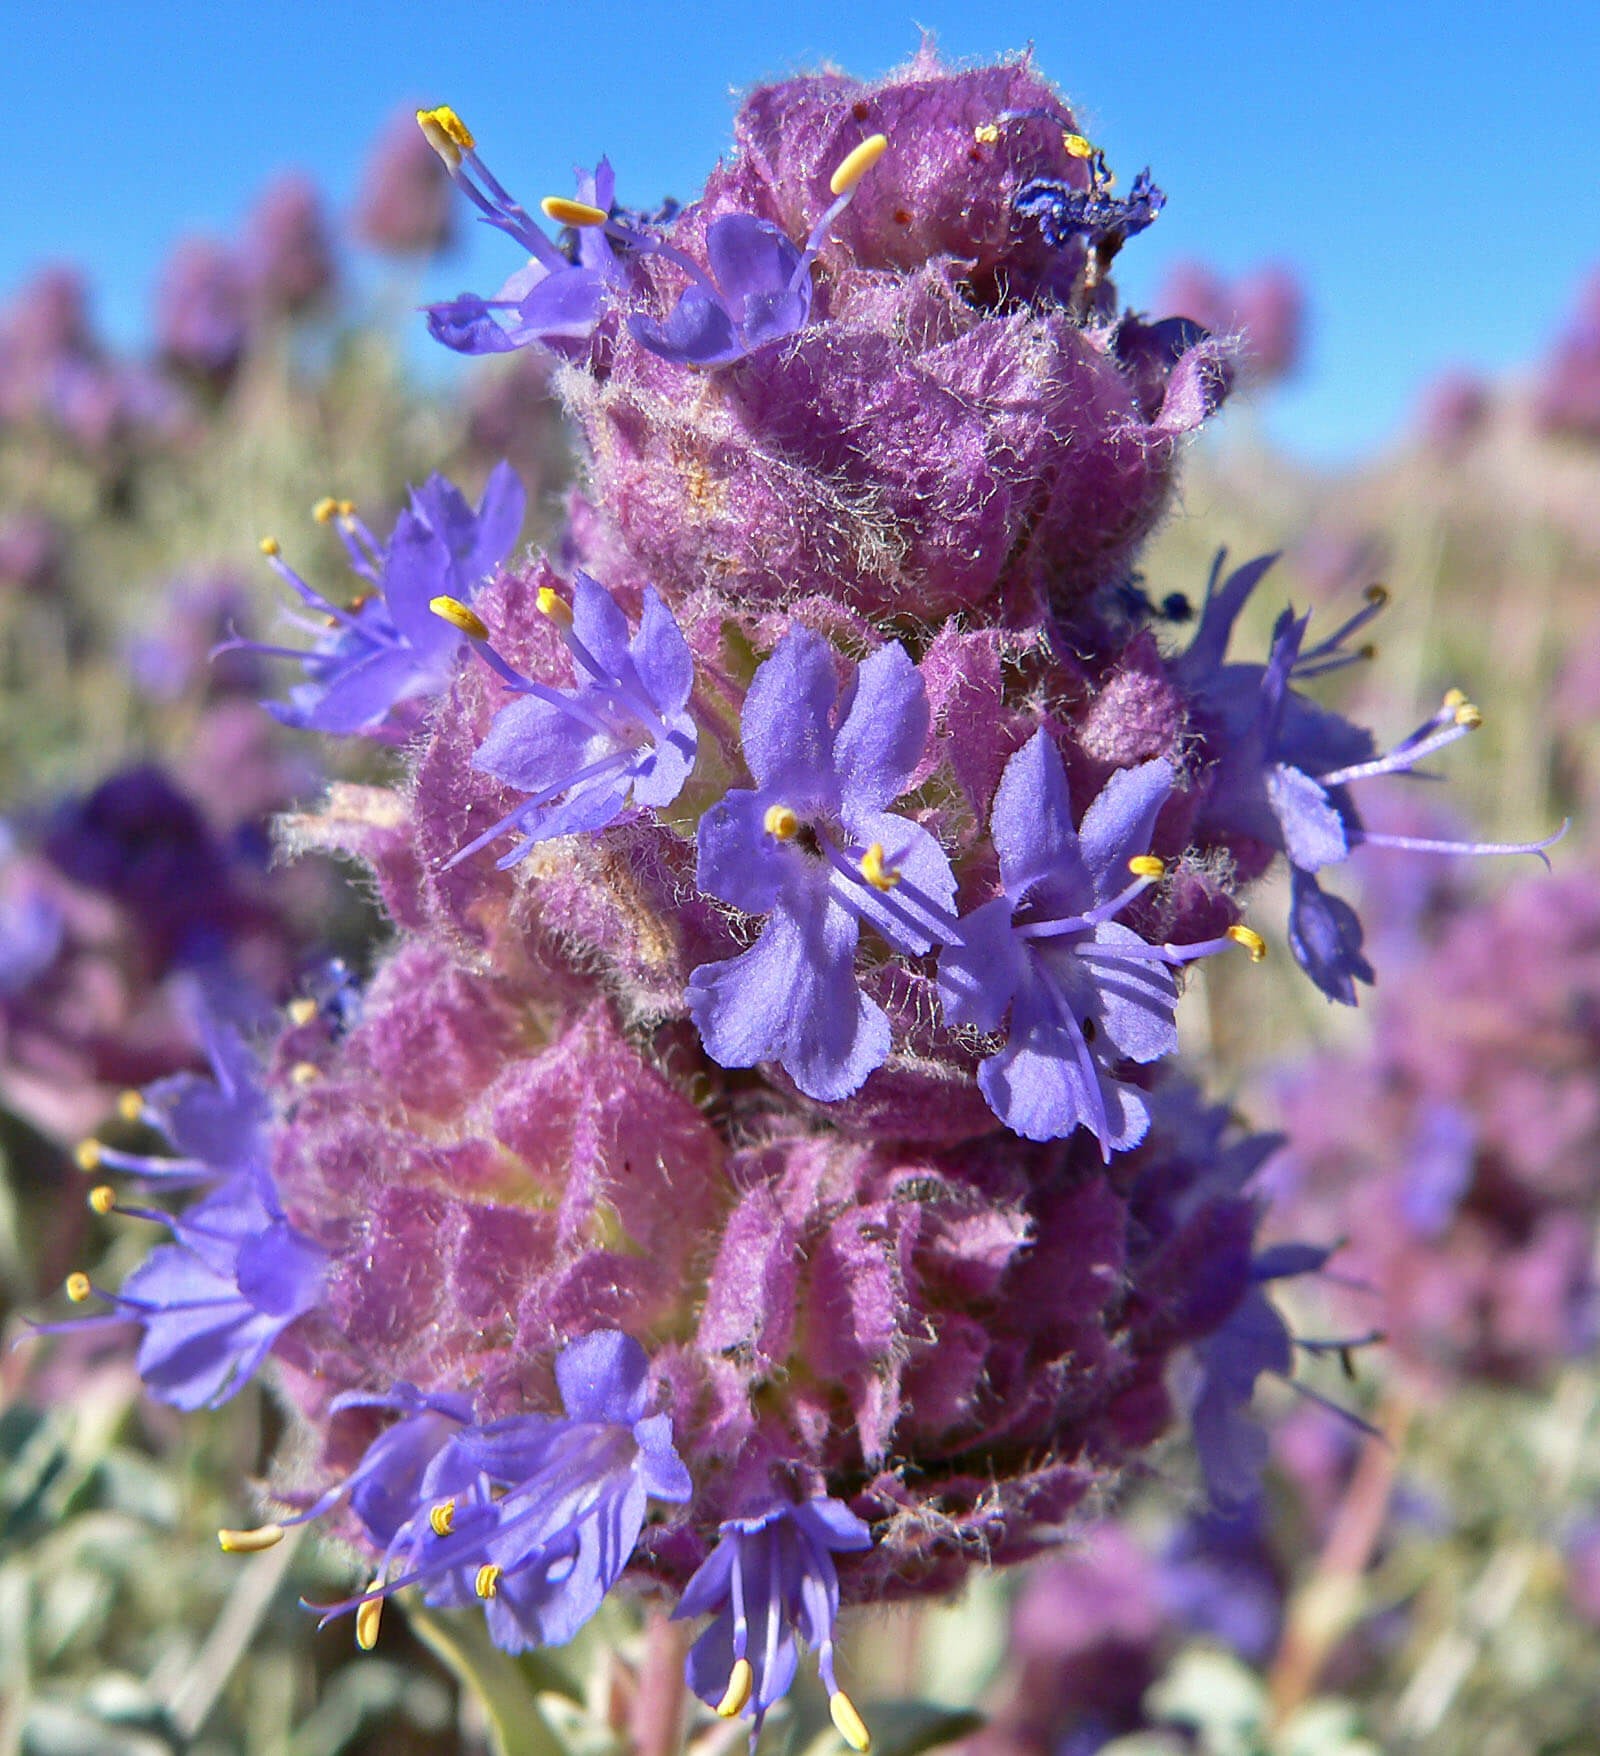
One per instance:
[(373, 665), (286, 252), (1567, 393), (31, 552), (1264, 309), (202, 317), (31, 924), (405, 206)]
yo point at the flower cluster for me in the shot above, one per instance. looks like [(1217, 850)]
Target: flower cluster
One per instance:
[(759, 1178)]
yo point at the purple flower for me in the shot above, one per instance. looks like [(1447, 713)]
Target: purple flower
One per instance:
[(1216, 1577), (1284, 767), (813, 847), (1083, 991), (139, 840), (372, 663), (536, 1516), (769, 1578), (1567, 391), (555, 299), (759, 289), (1263, 310), (623, 736), (218, 1125), (1064, 212), (213, 1303)]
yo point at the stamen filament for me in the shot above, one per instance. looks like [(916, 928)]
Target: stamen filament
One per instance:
[(605, 765), (1425, 742), (1416, 844), (1313, 660)]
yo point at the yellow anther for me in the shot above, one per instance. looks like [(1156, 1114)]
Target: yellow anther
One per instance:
[(78, 1287), (1078, 147), (130, 1105), (325, 510), (368, 1619), (443, 1518), (488, 1581), (87, 1154), (305, 1073), (347, 509), (250, 1542), (848, 1723), (1377, 594), (303, 1010), (1147, 866), (879, 876), (456, 613), (781, 823), (446, 133), (741, 1679), (986, 133), (556, 607), (102, 1198), (1466, 714), (567, 212), (270, 547), (1250, 939), (857, 162)]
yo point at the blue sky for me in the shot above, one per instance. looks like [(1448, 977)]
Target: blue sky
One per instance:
[(1430, 169)]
